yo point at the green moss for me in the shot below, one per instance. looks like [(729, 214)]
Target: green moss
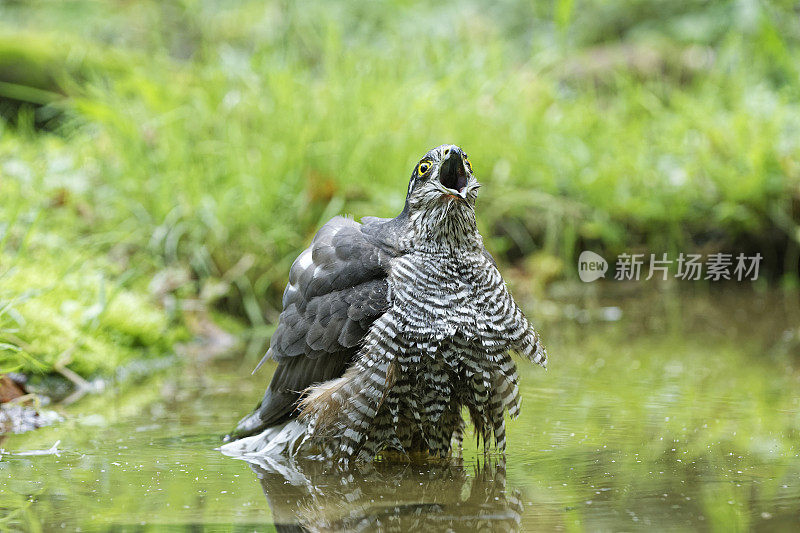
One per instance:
[(69, 307)]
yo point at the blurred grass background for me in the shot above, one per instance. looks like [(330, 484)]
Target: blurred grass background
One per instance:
[(164, 157)]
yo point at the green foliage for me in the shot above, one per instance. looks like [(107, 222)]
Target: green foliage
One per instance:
[(213, 132), (72, 313), (61, 300), (76, 313), (212, 140)]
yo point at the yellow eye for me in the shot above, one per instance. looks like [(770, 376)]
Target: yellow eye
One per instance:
[(466, 160), (423, 168)]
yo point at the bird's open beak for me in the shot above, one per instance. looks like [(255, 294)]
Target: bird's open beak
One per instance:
[(452, 174)]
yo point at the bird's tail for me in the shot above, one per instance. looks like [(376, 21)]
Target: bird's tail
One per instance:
[(338, 410), (283, 439)]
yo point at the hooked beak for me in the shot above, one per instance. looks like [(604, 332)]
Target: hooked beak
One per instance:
[(452, 173)]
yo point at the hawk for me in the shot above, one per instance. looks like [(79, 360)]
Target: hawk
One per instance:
[(390, 328)]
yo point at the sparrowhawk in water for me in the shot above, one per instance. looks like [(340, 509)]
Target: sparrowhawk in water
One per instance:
[(390, 328)]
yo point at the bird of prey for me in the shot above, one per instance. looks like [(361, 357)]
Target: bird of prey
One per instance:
[(390, 328)]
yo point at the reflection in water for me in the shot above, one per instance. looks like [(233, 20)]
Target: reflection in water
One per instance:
[(306, 495), (683, 415)]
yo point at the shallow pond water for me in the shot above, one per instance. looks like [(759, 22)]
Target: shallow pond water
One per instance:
[(665, 411)]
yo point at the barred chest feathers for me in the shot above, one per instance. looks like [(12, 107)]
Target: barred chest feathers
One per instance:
[(443, 345), (443, 296)]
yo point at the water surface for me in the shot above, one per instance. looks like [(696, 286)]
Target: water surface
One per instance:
[(665, 410)]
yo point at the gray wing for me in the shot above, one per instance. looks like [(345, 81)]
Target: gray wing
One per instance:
[(337, 288)]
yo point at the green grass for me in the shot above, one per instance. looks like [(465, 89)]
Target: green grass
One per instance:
[(63, 301), (212, 140)]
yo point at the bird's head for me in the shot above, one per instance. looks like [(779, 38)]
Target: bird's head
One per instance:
[(441, 196), (443, 175)]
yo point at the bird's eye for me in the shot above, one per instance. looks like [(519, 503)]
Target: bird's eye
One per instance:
[(466, 160), (423, 168)]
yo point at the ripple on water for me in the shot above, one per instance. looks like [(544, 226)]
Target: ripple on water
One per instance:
[(672, 430)]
